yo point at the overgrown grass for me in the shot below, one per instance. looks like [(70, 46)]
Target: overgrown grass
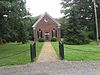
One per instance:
[(80, 52), (16, 53)]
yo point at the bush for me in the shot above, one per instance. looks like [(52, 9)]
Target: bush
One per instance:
[(41, 40), (53, 39), (77, 39)]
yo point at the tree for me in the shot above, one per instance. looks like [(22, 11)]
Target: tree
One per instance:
[(4, 27), (76, 13), (31, 21), (12, 23), (63, 21)]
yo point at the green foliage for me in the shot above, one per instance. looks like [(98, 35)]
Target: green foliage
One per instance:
[(80, 25), (53, 39), (12, 22), (63, 23), (41, 40), (31, 21)]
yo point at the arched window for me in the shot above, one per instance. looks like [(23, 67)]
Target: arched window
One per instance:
[(54, 33), (39, 33)]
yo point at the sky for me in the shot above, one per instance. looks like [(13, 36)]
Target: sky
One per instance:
[(39, 7)]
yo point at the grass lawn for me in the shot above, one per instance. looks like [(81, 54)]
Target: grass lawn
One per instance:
[(56, 47), (38, 48), (16, 53), (80, 52)]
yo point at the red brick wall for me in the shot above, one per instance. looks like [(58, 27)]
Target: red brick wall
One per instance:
[(46, 27)]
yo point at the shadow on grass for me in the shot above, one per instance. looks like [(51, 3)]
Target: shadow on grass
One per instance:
[(83, 51), (17, 53)]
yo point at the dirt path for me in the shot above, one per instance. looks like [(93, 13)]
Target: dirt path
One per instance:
[(47, 54)]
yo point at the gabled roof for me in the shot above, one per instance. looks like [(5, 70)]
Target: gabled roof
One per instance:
[(48, 16)]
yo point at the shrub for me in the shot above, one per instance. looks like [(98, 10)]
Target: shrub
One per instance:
[(53, 39), (76, 39), (41, 40)]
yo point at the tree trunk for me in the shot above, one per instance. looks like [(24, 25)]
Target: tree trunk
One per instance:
[(1, 40)]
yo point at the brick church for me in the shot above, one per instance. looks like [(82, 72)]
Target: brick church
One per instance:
[(46, 28)]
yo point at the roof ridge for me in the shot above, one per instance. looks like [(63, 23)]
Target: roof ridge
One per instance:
[(42, 17)]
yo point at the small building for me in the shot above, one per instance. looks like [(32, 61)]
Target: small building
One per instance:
[(46, 28)]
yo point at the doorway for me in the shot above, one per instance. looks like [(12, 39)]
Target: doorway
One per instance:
[(47, 36)]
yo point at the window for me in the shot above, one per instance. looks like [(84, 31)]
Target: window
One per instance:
[(54, 33), (45, 20), (39, 33)]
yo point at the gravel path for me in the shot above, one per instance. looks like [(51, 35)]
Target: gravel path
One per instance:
[(54, 68), (47, 54)]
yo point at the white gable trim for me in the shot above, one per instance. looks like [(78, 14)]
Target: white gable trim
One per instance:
[(58, 24)]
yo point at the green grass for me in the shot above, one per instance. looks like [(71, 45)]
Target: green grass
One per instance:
[(39, 47), (56, 47), (80, 52), (16, 53)]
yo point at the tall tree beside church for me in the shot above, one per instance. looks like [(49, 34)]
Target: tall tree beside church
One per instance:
[(4, 27), (21, 24), (80, 13), (78, 17), (12, 19)]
